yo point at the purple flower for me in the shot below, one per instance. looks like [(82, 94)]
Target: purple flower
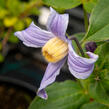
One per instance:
[(56, 47)]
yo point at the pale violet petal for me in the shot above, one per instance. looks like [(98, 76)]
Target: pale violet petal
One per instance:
[(80, 67), (33, 36), (51, 72), (57, 23)]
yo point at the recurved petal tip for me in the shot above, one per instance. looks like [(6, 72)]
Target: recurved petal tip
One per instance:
[(53, 69), (33, 36), (81, 67), (19, 35), (92, 55), (42, 93)]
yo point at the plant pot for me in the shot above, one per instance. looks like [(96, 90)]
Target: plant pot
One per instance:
[(14, 96)]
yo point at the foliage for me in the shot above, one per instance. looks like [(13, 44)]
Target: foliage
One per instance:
[(91, 93), (66, 95), (99, 20), (63, 4), (68, 4), (14, 16), (80, 94), (94, 105), (89, 5)]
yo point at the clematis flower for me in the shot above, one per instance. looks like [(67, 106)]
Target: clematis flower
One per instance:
[(56, 48)]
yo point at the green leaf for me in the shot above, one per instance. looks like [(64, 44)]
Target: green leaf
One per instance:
[(103, 64), (94, 105), (3, 13), (66, 95), (19, 25), (2, 3), (28, 21), (89, 5), (34, 11), (97, 87), (99, 22), (103, 52), (62, 4), (105, 80), (10, 21), (13, 39), (1, 58), (14, 5), (99, 80), (98, 92)]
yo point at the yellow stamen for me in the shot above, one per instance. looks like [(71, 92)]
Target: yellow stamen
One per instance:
[(55, 49)]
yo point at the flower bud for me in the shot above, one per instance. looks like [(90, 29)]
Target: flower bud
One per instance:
[(55, 49), (91, 46)]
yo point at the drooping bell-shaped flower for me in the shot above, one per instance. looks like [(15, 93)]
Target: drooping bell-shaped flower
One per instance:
[(56, 48)]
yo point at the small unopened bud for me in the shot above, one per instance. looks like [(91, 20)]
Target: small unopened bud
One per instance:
[(91, 46)]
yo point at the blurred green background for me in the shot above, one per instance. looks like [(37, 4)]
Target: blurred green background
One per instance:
[(15, 16)]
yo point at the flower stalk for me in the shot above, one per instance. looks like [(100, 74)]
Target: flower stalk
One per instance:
[(85, 19), (6, 37), (78, 44)]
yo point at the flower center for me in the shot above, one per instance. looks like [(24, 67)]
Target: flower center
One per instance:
[(55, 49)]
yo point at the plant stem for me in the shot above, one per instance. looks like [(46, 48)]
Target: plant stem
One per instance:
[(83, 85), (86, 23), (85, 19), (6, 37), (78, 44), (1, 32)]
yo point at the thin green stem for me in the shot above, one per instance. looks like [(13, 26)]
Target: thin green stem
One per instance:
[(78, 44), (86, 23), (4, 41), (82, 82)]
